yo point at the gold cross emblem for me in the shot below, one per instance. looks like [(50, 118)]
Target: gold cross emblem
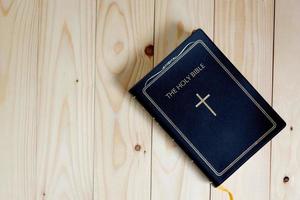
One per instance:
[(202, 101)]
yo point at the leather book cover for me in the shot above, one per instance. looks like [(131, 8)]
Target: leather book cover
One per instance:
[(208, 107)]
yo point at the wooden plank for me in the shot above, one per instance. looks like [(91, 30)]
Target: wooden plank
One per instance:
[(244, 31), (18, 86), (66, 99), (286, 147), (173, 175), (123, 129)]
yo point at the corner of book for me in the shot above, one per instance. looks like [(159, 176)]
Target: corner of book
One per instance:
[(217, 183), (282, 124), (132, 91)]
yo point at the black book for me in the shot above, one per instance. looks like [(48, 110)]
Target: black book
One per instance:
[(208, 107)]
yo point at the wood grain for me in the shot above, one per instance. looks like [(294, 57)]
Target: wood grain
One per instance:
[(173, 175), (123, 129), (66, 99), (70, 130), (286, 147), (18, 90), (244, 32)]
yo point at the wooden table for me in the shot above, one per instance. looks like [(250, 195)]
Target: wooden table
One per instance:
[(70, 130)]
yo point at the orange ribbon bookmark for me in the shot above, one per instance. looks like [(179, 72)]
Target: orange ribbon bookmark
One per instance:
[(223, 189)]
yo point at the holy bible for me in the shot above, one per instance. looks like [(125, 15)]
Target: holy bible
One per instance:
[(208, 107)]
